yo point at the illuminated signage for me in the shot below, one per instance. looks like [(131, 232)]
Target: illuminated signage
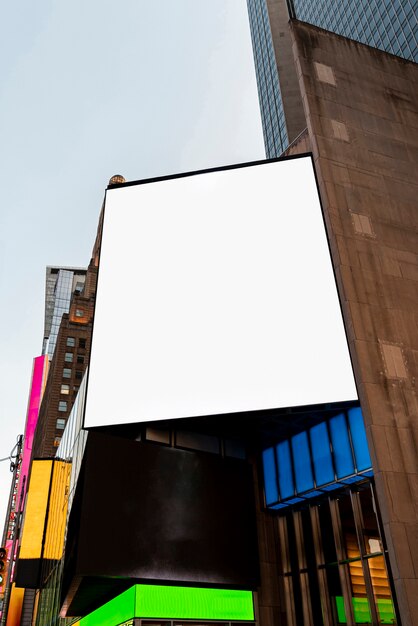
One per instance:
[(168, 602)]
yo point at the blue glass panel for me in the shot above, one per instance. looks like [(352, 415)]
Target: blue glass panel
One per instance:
[(358, 437), (270, 478), (353, 479), (321, 452), (312, 494), (331, 487), (295, 500), (343, 457), (276, 507), (302, 462), (284, 461)]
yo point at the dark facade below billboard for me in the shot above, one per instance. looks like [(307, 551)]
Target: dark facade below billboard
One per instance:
[(145, 512)]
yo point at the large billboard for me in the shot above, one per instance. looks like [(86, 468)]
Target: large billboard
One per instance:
[(216, 294)]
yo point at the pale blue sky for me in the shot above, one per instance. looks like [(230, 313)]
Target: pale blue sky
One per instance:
[(90, 89)]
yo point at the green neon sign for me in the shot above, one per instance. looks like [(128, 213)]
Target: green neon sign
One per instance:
[(194, 603), (161, 601), (119, 610)]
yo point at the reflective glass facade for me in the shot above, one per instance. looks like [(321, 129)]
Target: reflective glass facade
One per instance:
[(390, 25), (60, 285), (333, 559), (271, 106)]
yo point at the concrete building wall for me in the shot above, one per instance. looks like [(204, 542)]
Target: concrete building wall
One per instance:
[(362, 117)]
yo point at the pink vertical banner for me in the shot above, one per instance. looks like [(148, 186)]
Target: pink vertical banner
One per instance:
[(35, 397)]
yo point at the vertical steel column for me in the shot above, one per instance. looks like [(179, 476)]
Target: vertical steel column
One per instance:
[(342, 568), (287, 579), (320, 560), (308, 618)]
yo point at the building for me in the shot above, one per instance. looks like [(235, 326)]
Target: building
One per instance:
[(354, 107), (389, 26), (68, 330), (275, 129), (294, 516), (60, 284), (12, 597)]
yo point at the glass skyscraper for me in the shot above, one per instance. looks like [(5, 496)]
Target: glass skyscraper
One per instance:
[(61, 283), (272, 113), (389, 25)]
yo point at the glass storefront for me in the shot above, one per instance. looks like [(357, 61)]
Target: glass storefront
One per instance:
[(334, 567)]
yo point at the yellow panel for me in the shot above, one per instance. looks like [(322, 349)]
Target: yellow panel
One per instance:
[(57, 515), (15, 606), (35, 510)]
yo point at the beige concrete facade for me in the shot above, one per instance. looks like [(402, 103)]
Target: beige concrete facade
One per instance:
[(361, 113)]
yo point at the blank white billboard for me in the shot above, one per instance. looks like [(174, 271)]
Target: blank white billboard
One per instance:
[(216, 294)]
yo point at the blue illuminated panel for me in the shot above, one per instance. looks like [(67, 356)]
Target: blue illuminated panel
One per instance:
[(358, 437), (302, 462), (284, 460), (344, 462), (317, 461), (321, 452)]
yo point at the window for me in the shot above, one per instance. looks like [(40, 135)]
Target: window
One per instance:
[(70, 342), (79, 313), (65, 389), (62, 406), (337, 524), (66, 372), (80, 358), (197, 441), (78, 375), (60, 425), (82, 343), (69, 357)]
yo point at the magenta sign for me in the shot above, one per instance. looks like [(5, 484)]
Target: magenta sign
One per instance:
[(35, 397)]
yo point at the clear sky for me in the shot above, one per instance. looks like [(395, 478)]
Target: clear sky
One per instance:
[(88, 90)]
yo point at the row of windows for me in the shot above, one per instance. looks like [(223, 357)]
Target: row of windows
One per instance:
[(69, 357), (67, 373), (65, 389), (196, 441), (71, 342)]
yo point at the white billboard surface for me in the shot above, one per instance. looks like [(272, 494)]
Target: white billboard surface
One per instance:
[(216, 294)]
